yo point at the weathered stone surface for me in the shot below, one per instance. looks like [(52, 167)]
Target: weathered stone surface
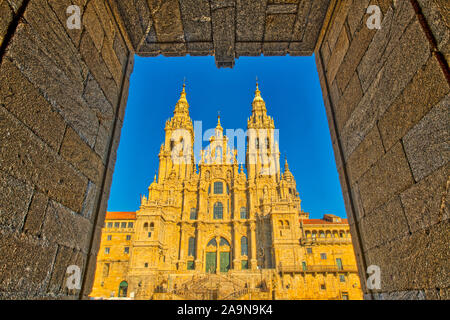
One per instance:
[(98, 69), (90, 201), (6, 16), (250, 20), (337, 55), (386, 223), (437, 14), (366, 154), (26, 157), (196, 19), (411, 53), (15, 197), (426, 203), (417, 261), (386, 39), (355, 52), (350, 99), (66, 227), (413, 103), (36, 214), (427, 144), (167, 20), (25, 266), (81, 156), (386, 178), (337, 25), (15, 94), (93, 25), (357, 16)]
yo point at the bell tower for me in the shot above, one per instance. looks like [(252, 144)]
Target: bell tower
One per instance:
[(262, 154), (176, 156)]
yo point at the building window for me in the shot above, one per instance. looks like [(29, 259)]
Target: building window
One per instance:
[(342, 278), (309, 250), (149, 234), (193, 215), (109, 237), (152, 226), (116, 224), (145, 226), (323, 256), (257, 143), (218, 210), (126, 250), (106, 270), (123, 225), (244, 246), (244, 264), (218, 187), (323, 287), (146, 265), (130, 224), (344, 295), (128, 237), (107, 250), (304, 265), (190, 265), (191, 247), (110, 224), (244, 213), (267, 144)]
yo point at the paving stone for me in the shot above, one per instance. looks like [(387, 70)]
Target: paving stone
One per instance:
[(388, 177), (426, 202), (427, 144)]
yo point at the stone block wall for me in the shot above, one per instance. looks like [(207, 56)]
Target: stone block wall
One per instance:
[(61, 111), (386, 93)]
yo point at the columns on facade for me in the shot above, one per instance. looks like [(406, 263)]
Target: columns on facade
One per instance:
[(217, 255), (182, 256), (199, 248), (253, 261), (236, 246)]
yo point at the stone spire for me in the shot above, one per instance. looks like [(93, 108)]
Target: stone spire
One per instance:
[(182, 106)]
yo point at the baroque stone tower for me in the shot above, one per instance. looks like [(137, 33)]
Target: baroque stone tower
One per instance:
[(212, 230)]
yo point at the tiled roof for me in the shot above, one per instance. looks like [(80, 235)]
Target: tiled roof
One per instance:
[(120, 216)]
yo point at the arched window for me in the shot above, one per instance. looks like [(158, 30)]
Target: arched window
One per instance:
[(152, 226), (146, 226), (244, 246), (244, 213), (321, 234), (123, 288), (286, 224), (193, 215), (191, 247), (218, 210), (218, 187), (212, 242), (224, 242), (280, 224)]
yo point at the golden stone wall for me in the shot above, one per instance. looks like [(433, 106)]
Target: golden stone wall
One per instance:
[(216, 232)]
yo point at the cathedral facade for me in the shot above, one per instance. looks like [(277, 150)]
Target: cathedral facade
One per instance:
[(215, 231)]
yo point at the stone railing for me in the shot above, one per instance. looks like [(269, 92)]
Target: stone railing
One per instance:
[(316, 268)]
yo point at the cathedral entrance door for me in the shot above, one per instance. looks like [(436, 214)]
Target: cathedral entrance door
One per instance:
[(211, 262), (224, 261)]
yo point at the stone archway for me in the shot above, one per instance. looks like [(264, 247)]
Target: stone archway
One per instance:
[(63, 95), (218, 255)]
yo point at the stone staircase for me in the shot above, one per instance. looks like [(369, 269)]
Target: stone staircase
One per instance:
[(211, 287)]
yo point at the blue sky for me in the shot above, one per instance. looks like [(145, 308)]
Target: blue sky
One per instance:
[(290, 87)]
